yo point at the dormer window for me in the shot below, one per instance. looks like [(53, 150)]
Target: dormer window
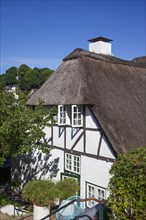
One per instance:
[(77, 116), (63, 115), (70, 115)]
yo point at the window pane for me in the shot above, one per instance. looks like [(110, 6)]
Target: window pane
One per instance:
[(75, 122), (63, 117), (79, 115), (79, 122), (90, 194), (75, 109), (68, 162), (77, 119), (101, 194), (94, 191), (75, 115)]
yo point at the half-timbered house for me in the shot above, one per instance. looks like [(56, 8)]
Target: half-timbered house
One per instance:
[(101, 113)]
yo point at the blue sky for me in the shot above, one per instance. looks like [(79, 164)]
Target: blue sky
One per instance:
[(40, 33)]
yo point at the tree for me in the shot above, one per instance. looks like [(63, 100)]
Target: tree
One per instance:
[(9, 78), (25, 77), (22, 71), (128, 186), (21, 128), (34, 78)]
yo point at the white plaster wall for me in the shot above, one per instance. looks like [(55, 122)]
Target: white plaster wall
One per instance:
[(92, 141), (58, 154), (79, 147), (38, 165), (58, 136), (90, 121), (105, 150), (94, 171), (47, 130), (71, 136)]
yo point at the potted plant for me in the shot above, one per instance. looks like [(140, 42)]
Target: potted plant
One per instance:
[(42, 193), (67, 188)]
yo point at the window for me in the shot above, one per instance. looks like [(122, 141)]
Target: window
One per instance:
[(93, 191), (73, 176), (63, 115), (77, 116), (72, 163)]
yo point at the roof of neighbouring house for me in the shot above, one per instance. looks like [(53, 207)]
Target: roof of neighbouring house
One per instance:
[(114, 87)]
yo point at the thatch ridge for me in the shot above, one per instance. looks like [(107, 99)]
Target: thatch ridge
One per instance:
[(107, 58)]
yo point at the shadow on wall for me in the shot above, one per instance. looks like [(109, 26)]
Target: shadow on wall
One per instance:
[(35, 165)]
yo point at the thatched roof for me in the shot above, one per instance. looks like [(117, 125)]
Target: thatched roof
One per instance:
[(115, 88)]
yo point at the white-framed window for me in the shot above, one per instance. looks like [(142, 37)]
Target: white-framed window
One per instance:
[(77, 116), (72, 163), (94, 191), (63, 115), (73, 176)]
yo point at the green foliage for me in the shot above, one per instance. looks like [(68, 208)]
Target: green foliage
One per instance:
[(15, 183), (25, 77), (40, 192), (67, 188), (22, 70), (34, 78), (21, 128), (4, 200), (9, 78), (45, 192), (128, 186)]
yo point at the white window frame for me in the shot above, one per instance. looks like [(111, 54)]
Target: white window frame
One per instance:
[(63, 115), (94, 191), (77, 116), (72, 163)]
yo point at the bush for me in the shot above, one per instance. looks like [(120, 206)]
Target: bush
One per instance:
[(40, 192), (67, 188), (128, 186), (4, 199)]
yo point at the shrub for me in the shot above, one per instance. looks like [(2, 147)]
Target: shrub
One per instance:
[(40, 192), (67, 188), (4, 199), (127, 186)]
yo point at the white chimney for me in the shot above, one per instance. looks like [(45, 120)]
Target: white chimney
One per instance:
[(101, 45)]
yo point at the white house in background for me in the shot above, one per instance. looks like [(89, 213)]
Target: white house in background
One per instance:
[(12, 89), (101, 113)]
